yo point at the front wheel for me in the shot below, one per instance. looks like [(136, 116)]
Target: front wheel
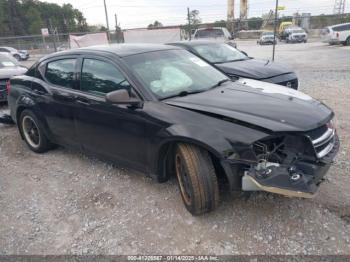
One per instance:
[(197, 179), (32, 132)]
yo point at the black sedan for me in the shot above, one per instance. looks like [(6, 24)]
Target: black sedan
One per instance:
[(164, 111), (237, 64)]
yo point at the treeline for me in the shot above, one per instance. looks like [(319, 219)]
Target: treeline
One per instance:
[(27, 17)]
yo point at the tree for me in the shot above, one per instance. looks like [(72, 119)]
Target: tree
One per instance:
[(23, 17), (195, 20), (156, 24)]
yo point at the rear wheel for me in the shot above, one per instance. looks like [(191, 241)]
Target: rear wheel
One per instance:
[(197, 179), (18, 58), (347, 42), (32, 132)]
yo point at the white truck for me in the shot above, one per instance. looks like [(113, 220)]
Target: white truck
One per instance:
[(336, 34), (295, 35)]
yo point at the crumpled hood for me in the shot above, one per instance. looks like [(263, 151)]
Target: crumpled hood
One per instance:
[(9, 72), (254, 69), (261, 104)]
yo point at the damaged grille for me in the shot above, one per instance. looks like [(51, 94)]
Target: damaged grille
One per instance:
[(323, 139), (291, 83)]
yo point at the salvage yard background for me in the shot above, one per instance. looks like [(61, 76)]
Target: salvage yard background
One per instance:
[(64, 202)]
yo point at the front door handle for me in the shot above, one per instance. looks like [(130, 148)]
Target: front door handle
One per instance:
[(66, 97)]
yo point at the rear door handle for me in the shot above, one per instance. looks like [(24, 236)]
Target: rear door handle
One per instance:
[(83, 101)]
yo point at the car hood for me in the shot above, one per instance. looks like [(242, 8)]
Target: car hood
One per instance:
[(253, 68), (6, 73), (259, 104)]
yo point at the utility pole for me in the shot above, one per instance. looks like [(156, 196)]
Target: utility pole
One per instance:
[(274, 32), (189, 23), (107, 23), (116, 21)]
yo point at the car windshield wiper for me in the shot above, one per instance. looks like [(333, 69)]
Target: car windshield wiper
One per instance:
[(184, 93), (220, 83), (235, 60)]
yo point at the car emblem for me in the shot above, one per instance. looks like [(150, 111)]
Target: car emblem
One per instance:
[(289, 84)]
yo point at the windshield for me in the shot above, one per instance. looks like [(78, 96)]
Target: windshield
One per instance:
[(168, 73), (298, 31), (268, 34), (209, 33), (7, 61), (219, 53)]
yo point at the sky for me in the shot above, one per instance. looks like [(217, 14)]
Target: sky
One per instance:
[(140, 13)]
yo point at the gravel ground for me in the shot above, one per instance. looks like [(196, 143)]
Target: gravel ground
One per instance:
[(63, 202)]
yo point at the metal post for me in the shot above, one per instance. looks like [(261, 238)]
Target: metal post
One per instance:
[(189, 23), (274, 32), (107, 23)]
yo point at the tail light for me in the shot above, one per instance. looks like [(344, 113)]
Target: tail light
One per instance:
[(337, 34), (8, 87)]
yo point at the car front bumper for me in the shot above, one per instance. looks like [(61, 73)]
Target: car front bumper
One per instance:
[(300, 180)]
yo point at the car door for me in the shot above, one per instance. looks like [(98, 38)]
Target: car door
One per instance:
[(116, 132), (59, 105)]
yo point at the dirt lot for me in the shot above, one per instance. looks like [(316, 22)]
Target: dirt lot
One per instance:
[(65, 203)]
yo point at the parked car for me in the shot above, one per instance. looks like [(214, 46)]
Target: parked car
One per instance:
[(18, 54), (336, 34), (220, 34), (267, 38), (63, 47), (237, 64), (164, 111), (296, 35), (9, 67)]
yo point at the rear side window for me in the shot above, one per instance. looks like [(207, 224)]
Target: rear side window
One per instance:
[(4, 50), (341, 28), (99, 77), (61, 72)]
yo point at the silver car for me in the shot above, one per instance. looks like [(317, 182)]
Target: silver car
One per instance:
[(18, 54), (9, 67)]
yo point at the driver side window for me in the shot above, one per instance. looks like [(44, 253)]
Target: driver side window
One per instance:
[(99, 77)]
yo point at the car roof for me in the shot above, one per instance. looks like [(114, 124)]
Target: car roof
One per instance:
[(338, 25), (195, 43), (121, 50)]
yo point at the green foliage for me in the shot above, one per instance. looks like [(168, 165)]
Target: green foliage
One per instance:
[(194, 18), (156, 24), (26, 17), (255, 23)]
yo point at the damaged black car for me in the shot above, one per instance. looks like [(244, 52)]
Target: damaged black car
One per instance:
[(164, 111)]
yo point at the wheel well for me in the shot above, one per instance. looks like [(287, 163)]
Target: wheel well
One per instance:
[(18, 115), (19, 112), (166, 167)]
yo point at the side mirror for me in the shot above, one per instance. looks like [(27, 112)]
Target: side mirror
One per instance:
[(122, 97)]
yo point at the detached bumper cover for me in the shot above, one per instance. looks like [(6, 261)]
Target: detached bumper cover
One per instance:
[(300, 180)]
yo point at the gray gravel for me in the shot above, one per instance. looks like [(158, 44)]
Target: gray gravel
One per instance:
[(63, 202)]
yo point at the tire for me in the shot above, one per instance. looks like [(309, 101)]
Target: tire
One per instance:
[(197, 179), (18, 58), (32, 132), (347, 41)]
